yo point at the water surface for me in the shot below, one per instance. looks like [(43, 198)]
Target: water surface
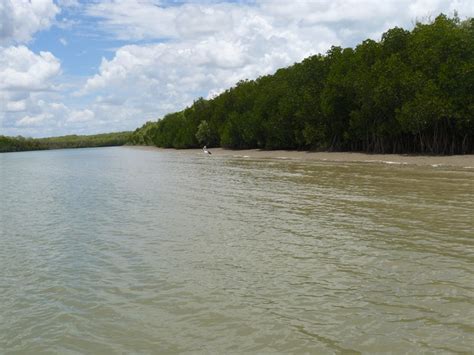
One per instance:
[(117, 250)]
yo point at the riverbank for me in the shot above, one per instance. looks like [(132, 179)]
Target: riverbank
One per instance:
[(461, 161), (22, 144)]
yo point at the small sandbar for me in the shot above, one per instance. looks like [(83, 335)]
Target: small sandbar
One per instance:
[(461, 161)]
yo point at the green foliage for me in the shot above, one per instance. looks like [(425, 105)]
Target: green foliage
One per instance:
[(203, 134), (411, 92), (17, 144)]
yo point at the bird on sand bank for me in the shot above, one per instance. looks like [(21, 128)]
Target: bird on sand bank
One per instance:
[(206, 151)]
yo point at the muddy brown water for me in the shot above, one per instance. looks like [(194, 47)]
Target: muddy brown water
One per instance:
[(119, 250)]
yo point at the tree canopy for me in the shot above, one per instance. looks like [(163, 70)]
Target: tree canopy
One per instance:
[(410, 92), (17, 144)]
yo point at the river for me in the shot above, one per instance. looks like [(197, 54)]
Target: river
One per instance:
[(121, 250)]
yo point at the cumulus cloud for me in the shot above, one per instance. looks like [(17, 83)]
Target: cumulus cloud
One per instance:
[(208, 56), (68, 3), (45, 117), (151, 20), (21, 69), (25, 75), (80, 116), (134, 19), (34, 120), (25, 78), (15, 106), (20, 19)]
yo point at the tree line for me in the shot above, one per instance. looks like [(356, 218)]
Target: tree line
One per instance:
[(17, 144), (410, 92)]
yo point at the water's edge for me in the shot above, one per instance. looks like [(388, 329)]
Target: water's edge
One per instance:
[(461, 161)]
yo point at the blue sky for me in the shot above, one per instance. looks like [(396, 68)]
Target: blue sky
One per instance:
[(83, 67), (80, 48)]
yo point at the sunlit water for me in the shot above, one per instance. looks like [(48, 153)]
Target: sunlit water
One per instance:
[(117, 250)]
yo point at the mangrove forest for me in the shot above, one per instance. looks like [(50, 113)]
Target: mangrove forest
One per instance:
[(18, 144), (410, 92)]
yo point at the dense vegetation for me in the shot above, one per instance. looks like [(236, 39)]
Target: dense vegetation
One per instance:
[(411, 92), (17, 144)]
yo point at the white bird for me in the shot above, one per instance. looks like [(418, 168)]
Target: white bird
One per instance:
[(204, 149)]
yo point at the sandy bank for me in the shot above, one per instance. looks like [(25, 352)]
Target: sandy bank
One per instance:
[(462, 161)]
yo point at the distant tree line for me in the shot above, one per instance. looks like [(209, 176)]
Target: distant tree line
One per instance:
[(411, 92), (17, 144)]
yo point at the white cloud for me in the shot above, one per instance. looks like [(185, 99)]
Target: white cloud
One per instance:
[(133, 19), (159, 78), (20, 19), (15, 106), (149, 19), (80, 116), (465, 8), (33, 120), (27, 79), (68, 3), (21, 69)]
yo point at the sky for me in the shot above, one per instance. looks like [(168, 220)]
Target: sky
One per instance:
[(86, 67)]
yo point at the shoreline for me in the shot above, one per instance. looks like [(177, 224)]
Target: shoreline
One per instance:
[(459, 161)]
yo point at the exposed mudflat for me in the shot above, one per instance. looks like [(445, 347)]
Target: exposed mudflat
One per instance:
[(462, 161)]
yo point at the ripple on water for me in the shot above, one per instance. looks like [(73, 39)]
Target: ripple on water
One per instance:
[(118, 250)]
